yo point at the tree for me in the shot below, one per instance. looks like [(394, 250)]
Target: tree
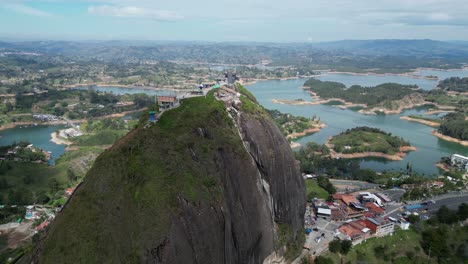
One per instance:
[(323, 260), (346, 246), (413, 219), (380, 251), (446, 215), (54, 185), (335, 246), (389, 183), (435, 242), (463, 211)]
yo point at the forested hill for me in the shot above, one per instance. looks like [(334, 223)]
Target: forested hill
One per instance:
[(454, 84), (371, 96), (455, 125)]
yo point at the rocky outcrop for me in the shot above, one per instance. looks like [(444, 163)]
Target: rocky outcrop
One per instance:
[(200, 186)]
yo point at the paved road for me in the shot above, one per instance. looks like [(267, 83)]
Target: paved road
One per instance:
[(452, 201)]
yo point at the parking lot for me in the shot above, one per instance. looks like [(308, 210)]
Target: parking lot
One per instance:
[(427, 210), (323, 231)]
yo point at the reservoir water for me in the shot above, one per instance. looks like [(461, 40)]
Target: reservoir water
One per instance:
[(373, 79), (39, 136), (430, 148)]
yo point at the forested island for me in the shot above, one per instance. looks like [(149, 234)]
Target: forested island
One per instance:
[(454, 84), (295, 126), (389, 98), (368, 142)]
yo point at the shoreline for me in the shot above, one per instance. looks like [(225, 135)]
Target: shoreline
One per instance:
[(422, 121), (58, 140), (337, 155), (307, 131), (450, 139), (433, 112), (63, 122), (294, 145), (369, 154), (32, 123), (442, 167)]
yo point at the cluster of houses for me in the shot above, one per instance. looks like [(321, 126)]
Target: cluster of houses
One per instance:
[(39, 212), (69, 133), (45, 117), (13, 153), (361, 215), (459, 161)]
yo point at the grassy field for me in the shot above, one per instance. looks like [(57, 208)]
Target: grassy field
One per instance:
[(314, 190), (402, 247)]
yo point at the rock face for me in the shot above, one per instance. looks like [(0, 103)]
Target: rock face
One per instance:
[(200, 186)]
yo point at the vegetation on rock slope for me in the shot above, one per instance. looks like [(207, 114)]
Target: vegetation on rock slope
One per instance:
[(157, 175)]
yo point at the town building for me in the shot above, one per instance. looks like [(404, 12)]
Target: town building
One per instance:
[(404, 225), (459, 161), (352, 206), (384, 197), (324, 212), (166, 102), (380, 227), (356, 231), (374, 209)]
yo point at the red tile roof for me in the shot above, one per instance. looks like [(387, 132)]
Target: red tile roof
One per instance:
[(70, 191), (374, 208), (42, 225), (348, 199), (166, 99)]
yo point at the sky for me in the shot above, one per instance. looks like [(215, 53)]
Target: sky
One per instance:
[(233, 20)]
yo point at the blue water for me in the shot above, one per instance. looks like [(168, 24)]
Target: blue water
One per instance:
[(430, 148), (441, 74), (39, 136), (373, 80)]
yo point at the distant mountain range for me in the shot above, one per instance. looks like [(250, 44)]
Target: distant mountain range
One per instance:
[(419, 47), (356, 53)]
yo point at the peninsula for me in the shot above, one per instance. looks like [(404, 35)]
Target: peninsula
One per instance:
[(296, 126), (423, 120)]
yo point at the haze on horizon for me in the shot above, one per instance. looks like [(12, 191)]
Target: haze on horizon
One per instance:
[(229, 20)]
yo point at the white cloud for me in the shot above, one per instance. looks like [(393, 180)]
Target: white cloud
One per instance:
[(132, 12), (27, 10)]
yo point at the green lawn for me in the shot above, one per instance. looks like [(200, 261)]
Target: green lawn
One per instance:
[(402, 247), (314, 190)]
